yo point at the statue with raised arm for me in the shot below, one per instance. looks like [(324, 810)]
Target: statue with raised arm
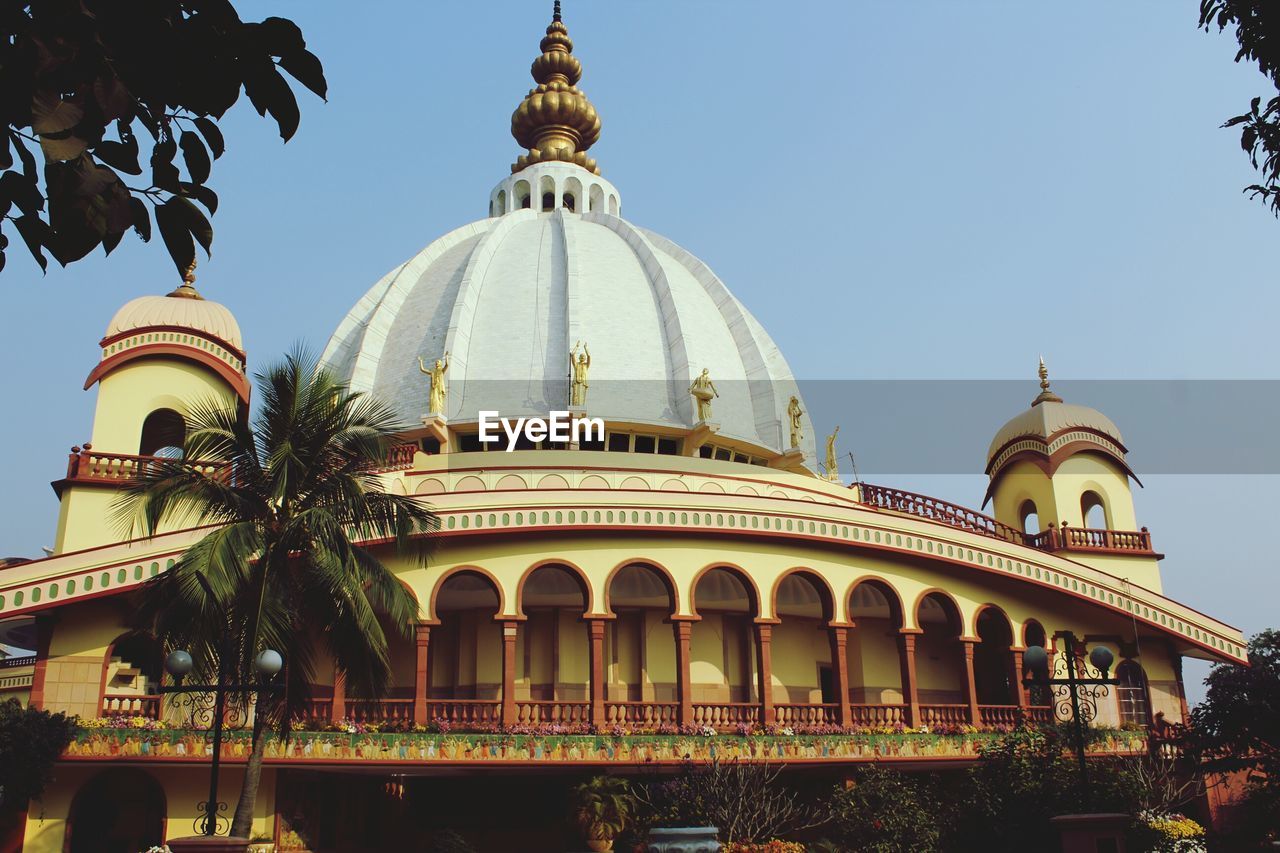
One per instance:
[(439, 390), (579, 364), (703, 391), (833, 466), (793, 417)]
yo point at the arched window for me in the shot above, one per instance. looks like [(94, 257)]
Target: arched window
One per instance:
[(164, 433), (502, 202), (1135, 705), (569, 202), (548, 202), (1030, 519), (1093, 512)]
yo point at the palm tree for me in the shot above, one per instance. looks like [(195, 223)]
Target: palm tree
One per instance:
[(297, 493)]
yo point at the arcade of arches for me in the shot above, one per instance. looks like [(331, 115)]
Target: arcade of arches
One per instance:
[(630, 659)]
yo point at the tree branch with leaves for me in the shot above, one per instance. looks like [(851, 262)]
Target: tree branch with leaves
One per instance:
[(80, 78)]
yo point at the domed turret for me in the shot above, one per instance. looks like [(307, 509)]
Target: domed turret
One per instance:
[(160, 355), (1060, 464)]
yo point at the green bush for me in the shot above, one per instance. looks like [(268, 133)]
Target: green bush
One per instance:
[(884, 811), (30, 742)]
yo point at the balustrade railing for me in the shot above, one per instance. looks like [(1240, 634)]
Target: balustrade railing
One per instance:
[(1055, 538), (86, 465), (533, 712), (317, 710), (944, 715), (465, 712), (878, 715), (17, 681), (807, 714), (134, 705), (1000, 715), (641, 713), (380, 711), (726, 715), (1040, 715), (400, 458), (923, 506), (15, 662)]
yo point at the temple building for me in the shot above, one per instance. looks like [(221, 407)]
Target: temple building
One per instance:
[(695, 580)]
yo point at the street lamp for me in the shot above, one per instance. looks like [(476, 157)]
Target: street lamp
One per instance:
[(179, 664), (1074, 690)]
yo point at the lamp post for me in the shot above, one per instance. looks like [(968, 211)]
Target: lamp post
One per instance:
[(178, 664), (1075, 692)]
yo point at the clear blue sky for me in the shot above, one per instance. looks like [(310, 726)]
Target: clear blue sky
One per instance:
[(923, 190)]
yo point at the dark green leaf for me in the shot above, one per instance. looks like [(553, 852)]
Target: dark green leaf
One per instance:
[(163, 173), (28, 161), (141, 218), (22, 192), (119, 155), (171, 219), (270, 93), (212, 135), (304, 67), (195, 156), (202, 194), (34, 231), (195, 221)]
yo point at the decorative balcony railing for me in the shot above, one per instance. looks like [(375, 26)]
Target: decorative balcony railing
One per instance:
[(134, 705), (923, 506), (791, 714), (945, 715), (1079, 539), (534, 712), (1000, 715), (400, 458), (1089, 539), (15, 662), (461, 713), (641, 713), (876, 716), (86, 465), (380, 710), (726, 715)]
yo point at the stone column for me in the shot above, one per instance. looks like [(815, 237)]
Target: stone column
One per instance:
[(509, 628), (684, 690), (839, 637), (764, 662), (1020, 689), (907, 664), (421, 675), (338, 708), (970, 683), (595, 628)]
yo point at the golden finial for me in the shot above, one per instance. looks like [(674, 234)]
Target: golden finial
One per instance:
[(187, 289), (1046, 396), (555, 121)]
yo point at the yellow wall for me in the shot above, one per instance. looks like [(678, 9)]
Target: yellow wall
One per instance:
[(184, 787), (126, 396)]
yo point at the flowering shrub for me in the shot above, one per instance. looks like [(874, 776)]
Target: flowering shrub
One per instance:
[(124, 721), (772, 846), (1171, 833), (159, 848)]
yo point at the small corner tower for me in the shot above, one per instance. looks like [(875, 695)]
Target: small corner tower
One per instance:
[(1060, 464), (159, 355)]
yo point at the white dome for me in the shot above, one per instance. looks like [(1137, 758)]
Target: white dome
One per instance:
[(508, 297), (200, 315)]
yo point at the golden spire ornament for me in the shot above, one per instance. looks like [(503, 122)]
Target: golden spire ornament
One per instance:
[(1046, 396), (555, 121), (187, 289)]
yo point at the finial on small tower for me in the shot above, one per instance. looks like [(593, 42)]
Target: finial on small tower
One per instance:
[(1046, 396), (187, 289), (555, 13)]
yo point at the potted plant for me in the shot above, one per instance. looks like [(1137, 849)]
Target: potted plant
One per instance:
[(602, 807)]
